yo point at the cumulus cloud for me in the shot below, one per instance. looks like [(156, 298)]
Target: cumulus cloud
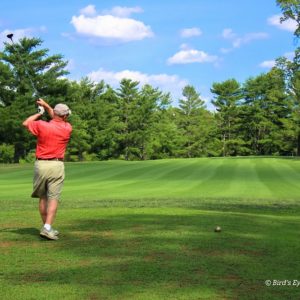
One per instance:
[(271, 63), (289, 25), (89, 10), (187, 56), (167, 83), (123, 12), (267, 64), (110, 27), (190, 32)]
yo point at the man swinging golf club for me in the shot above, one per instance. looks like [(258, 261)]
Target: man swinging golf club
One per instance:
[(52, 140)]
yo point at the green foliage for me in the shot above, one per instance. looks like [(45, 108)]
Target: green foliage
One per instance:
[(193, 123), (227, 102), (6, 153), (291, 73), (21, 65), (6, 84), (266, 106), (291, 11), (80, 138), (134, 122)]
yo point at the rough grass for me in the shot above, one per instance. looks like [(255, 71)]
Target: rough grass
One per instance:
[(150, 235)]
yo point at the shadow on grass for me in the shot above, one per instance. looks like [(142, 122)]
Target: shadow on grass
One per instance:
[(175, 254), (23, 231)]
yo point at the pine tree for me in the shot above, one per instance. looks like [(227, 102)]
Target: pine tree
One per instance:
[(227, 101), (195, 124), (26, 65), (266, 106)]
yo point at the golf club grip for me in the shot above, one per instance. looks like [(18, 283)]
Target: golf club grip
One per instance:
[(40, 110)]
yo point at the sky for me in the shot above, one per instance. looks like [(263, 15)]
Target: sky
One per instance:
[(166, 43)]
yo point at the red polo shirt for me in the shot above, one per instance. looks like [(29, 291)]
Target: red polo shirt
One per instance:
[(52, 137)]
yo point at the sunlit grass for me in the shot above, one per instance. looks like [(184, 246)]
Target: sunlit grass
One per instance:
[(145, 230)]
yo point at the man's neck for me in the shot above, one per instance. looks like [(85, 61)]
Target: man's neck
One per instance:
[(59, 119)]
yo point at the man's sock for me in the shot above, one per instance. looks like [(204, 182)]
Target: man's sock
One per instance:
[(47, 227)]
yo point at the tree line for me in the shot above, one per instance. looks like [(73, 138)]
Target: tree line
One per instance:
[(260, 116)]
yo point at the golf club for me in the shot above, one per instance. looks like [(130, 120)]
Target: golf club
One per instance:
[(35, 92)]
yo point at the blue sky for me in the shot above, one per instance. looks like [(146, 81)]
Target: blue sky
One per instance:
[(166, 43)]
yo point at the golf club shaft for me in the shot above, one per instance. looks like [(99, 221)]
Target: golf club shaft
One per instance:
[(24, 66)]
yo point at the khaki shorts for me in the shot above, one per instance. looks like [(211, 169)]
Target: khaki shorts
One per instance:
[(48, 179)]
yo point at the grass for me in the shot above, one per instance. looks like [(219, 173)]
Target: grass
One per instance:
[(145, 230)]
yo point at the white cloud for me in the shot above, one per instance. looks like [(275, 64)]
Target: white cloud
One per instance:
[(109, 27), (123, 12), (89, 10), (289, 25), (190, 32), (289, 55), (249, 37), (267, 64), (167, 83), (71, 65), (187, 56), (185, 47), (225, 50), (238, 41), (228, 34), (271, 63)]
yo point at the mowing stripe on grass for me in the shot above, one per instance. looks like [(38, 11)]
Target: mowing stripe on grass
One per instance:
[(279, 178), (153, 236), (243, 179)]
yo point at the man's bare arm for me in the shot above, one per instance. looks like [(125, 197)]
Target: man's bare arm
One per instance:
[(48, 108), (31, 119)]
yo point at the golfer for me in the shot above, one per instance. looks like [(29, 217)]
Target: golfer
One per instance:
[(49, 173)]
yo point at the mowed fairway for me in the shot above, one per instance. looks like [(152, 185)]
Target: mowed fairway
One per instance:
[(145, 230)]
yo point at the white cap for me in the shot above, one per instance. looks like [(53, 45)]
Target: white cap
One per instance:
[(62, 110)]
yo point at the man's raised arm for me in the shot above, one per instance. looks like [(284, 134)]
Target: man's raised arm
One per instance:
[(48, 108)]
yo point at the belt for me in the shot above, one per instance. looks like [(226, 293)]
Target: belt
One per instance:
[(53, 158)]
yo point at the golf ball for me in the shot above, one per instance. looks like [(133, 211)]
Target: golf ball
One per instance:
[(218, 229)]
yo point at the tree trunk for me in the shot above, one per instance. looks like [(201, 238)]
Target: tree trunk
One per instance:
[(19, 151)]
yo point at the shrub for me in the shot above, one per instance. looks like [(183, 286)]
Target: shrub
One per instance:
[(7, 153)]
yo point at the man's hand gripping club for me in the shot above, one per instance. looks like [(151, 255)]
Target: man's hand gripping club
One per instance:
[(42, 106)]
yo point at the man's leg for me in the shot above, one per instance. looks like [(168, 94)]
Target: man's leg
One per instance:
[(55, 181), (43, 209), (48, 209), (51, 211)]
